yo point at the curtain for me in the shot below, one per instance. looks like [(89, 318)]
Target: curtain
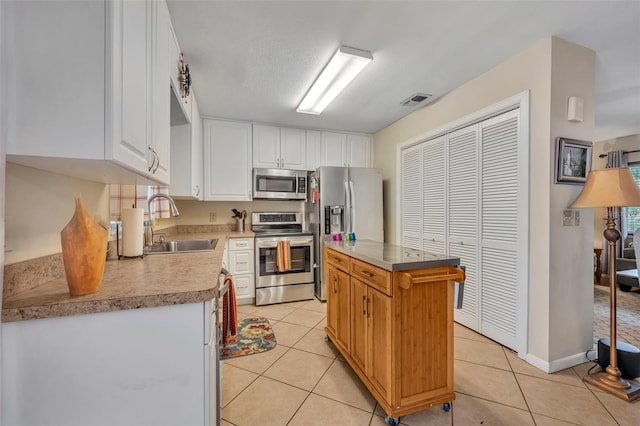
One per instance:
[(136, 196), (615, 159)]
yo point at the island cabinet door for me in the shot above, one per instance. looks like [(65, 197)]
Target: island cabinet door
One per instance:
[(359, 345), (423, 338), (379, 341), (338, 307)]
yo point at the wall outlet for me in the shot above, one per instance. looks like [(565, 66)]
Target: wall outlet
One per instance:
[(567, 218), (576, 217), (212, 216)]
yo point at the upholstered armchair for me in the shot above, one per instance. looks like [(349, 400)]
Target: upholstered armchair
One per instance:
[(627, 266)]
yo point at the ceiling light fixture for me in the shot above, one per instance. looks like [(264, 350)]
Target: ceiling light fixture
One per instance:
[(345, 65)]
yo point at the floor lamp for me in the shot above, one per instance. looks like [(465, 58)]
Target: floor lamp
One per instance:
[(611, 187)]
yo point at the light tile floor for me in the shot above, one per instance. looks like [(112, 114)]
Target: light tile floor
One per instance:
[(303, 381)]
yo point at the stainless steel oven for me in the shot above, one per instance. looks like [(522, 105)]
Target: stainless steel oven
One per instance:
[(295, 282)]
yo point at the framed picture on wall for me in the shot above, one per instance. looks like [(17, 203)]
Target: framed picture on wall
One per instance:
[(573, 161)]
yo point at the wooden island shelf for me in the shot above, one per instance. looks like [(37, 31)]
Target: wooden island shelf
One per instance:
[(390, 314)]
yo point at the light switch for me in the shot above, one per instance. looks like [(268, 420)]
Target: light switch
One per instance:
[(576, 217), (567, 218)]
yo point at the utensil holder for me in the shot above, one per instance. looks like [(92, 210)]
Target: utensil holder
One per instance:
[(239, 224)]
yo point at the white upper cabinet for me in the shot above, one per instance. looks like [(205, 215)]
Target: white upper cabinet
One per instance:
[(83, 89), (358, 150), (187, 151), (160, 140), (345, 149), (314, 152), (279, 148), (334, 149), (293, 149), (227, 156), (266, 146)]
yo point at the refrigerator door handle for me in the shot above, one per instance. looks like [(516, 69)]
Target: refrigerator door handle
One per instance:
[(352, 221), (347, 214)]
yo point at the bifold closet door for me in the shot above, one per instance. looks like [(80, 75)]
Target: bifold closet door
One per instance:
[(463, 212), (434, 195), (500, 260), (411, 197)]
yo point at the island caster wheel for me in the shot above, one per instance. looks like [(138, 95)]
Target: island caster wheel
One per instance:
[(446, 406), (392, 421)]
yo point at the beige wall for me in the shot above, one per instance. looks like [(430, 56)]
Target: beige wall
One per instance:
[(530, 70), (39, 204)]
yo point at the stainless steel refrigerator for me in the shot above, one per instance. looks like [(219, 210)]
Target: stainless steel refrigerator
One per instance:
[(343, 200)]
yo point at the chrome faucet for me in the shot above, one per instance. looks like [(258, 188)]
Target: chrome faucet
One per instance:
[(148, 224)]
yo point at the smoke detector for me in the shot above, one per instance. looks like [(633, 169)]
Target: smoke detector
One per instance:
[(415, 99)]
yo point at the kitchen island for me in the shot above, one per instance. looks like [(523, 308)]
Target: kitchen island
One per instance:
[(390, 314), (142, 350)]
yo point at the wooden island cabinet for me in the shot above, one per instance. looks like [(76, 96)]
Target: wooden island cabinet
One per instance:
[(390, 314)]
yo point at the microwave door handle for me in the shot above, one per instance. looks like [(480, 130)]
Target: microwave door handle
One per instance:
[(352, 222)]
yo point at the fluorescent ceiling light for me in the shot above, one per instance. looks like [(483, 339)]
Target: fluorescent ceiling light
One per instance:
[(345, 65)]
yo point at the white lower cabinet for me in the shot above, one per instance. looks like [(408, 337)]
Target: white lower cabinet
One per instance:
[(148, 366), (242, 268)]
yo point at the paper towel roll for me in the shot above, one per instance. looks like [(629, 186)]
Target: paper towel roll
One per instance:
[(132, 231)]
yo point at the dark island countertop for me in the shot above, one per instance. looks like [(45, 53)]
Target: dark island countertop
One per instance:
[(389, 256)]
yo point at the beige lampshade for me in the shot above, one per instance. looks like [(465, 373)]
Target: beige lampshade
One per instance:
[(611, 187)]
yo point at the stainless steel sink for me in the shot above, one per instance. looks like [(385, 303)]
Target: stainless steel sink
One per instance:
[(181, 246)]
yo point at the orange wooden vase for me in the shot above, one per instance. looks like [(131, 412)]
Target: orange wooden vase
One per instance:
[(84, 252)]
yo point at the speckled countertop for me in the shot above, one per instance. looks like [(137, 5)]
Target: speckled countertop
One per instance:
[(389, 256), (155, 280)]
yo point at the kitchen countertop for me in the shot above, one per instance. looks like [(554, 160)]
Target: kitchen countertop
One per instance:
[(154, 280), (389, 256)]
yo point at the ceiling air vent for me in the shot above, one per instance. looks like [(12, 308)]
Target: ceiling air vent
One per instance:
[(415, 99)]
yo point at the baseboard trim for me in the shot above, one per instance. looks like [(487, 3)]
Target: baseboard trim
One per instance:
[(558, 364)]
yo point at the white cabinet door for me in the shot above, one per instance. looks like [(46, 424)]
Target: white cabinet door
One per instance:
[(411, 197), (334, 149), (132, 36), (242, 267), (160, 101), (187, 157), (266, 146), (293, 149), (358, 150), (314, 149), (227, 167)]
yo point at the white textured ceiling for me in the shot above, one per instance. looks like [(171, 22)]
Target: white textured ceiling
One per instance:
[(255, 60)]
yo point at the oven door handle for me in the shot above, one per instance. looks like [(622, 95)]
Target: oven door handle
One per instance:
[(274, 243)]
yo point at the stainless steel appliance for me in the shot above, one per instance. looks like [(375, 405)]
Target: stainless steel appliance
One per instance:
[(296, 282), (343, 200), (279, 184)]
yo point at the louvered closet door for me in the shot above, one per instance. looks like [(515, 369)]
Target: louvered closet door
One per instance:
[(434, 187), (412, 197), (499, 226), (463, 211)]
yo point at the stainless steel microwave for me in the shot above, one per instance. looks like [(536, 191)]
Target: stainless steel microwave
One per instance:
[(279, 184)]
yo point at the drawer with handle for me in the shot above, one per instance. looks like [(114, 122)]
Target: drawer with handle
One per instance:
[(339, 260), (372, 275)]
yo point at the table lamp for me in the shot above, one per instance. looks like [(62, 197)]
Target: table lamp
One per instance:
[(611, 187)]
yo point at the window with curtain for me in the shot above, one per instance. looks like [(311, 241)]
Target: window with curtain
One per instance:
[(632, 214)]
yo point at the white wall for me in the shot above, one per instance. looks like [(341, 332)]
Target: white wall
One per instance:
[(570, 249), (39, 204), (530, 70)]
